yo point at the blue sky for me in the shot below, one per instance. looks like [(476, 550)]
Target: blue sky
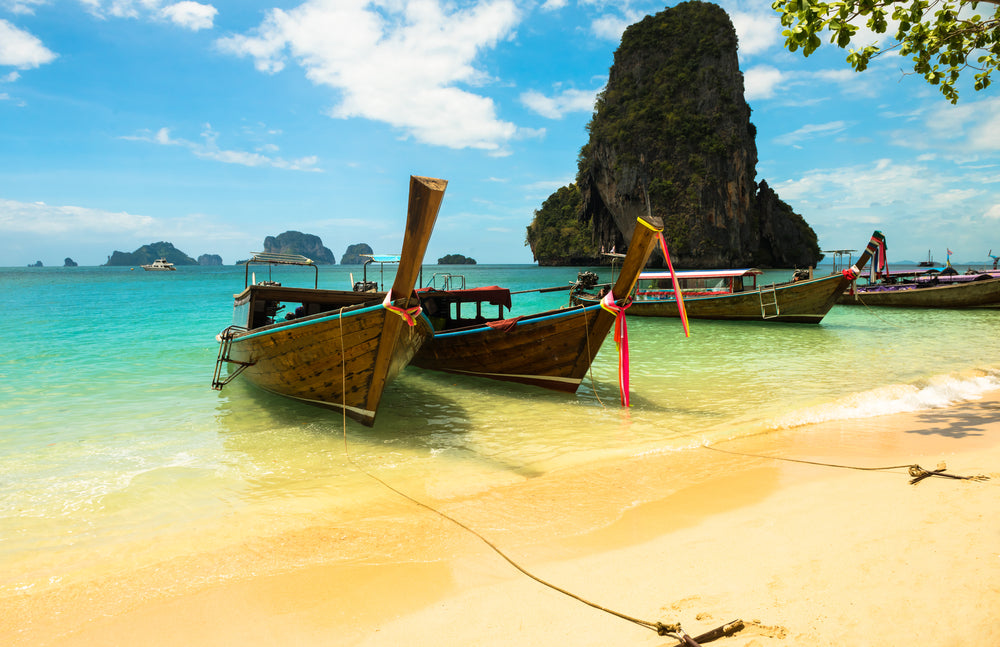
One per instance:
[(212, 126)]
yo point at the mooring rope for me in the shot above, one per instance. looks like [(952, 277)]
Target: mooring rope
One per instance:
[(671, 630)]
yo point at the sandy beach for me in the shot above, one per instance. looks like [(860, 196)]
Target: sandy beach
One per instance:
[(804, 554)]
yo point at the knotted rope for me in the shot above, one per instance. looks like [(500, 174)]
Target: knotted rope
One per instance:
[(621, 341), (408, 314)]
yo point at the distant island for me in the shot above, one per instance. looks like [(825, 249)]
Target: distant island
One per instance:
[(36, 264), (210, 259), (146, 254), (353, 255), (69, 262), (456, 259), (295, 242)]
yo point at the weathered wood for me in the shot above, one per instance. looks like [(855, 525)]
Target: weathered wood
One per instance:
[(552, 349), (973, 294), (798, 302), (343, 357)]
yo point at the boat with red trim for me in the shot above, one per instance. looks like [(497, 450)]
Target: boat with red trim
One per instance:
[(551, 349), (736, 295), (333, 348)]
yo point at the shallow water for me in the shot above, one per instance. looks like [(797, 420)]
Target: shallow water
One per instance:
[(112, 441)]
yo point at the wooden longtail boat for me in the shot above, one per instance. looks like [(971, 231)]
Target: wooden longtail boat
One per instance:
[(551, 349), (979, 292), (340, 348), (734, 294)]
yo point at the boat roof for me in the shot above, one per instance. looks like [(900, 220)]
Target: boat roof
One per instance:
[(279, 259), (702, 274), (382, 258)]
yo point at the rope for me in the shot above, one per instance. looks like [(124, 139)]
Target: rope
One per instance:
[(871, 311), (671, 630)]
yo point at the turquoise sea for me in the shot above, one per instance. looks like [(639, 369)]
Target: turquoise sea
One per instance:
[(116, 455)]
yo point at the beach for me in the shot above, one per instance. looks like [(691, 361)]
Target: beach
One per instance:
[(804, 554)]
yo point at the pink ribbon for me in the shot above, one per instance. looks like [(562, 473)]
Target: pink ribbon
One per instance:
[(407, 314), (621, 340)]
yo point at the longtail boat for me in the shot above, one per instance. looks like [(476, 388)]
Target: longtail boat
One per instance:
[(927, 291), (735, 294), (551, 349), (333, 348)]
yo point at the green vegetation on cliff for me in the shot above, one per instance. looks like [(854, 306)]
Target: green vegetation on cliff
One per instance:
[(557, 236), (295, 242), (149, 253), (456, 259)]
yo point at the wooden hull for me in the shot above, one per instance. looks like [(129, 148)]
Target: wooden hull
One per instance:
[(972, 294), (798, 302), (341, 349), (331, 360), (552, 350)]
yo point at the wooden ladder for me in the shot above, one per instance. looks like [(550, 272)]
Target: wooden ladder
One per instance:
[(225, 343), (768, 301)]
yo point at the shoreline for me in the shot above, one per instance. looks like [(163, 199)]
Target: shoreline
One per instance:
[(804, 554)]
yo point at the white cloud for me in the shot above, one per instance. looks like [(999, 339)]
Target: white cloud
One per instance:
[(757, 31), (50, 220), (23, 6), (398, 63), (761, 81), (191, 15), (21, 49), (209, 149), (811, 131), (553, 5), (556, 106)]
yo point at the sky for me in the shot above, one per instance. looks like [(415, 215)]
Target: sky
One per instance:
[(215, 125)]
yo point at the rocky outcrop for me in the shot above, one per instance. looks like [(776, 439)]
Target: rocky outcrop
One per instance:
[(295, 242), (672, 125), (69, 262), (36, 264), (210, 259), (353, 255), (149, 253), (558, 235), (456, 259)]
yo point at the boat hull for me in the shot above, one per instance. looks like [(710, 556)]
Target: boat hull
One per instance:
[(799, 302), (972, 294), (333, 359), (552, 350)]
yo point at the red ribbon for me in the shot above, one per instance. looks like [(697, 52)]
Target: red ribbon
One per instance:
[(621, 340), (677, 288), (407, 314)]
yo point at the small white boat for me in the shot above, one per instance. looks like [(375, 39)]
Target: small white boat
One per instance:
[(160, 265)]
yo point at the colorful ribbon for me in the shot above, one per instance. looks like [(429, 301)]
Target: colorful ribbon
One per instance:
[(851, 273), (621, 340), (408, 314), (677, 288)]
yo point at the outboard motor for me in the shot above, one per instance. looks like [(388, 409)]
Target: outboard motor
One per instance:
[(366, 286), (585, 281)]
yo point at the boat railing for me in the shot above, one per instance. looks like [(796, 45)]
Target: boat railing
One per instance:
[(447, 281), (270, 259)]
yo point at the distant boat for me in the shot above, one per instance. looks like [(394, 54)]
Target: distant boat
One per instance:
[(551, 349), (929, 289), (160, 265), (336, 348), (928, 263), (734, 295)]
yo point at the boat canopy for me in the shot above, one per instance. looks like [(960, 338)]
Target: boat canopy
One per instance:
[(382, 258), (701, 274)]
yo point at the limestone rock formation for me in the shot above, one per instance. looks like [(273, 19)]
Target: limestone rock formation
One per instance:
[(353, 254), (672, 123), (149, 253), (456, 259), (295, 242), (69, 262), (210, 259)]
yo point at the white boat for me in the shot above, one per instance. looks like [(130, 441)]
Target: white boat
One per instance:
[(160, 265)]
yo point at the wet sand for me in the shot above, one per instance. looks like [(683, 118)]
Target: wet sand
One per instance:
[(804, 554)]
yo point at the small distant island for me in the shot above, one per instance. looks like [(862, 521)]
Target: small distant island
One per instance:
[(295, 242), (146, 254), (456, 259), (210, 259), (353, 255), (36, 264), (69, 262)]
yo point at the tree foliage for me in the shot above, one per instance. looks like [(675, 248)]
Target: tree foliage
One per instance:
[(556, 234), (943, 38)]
